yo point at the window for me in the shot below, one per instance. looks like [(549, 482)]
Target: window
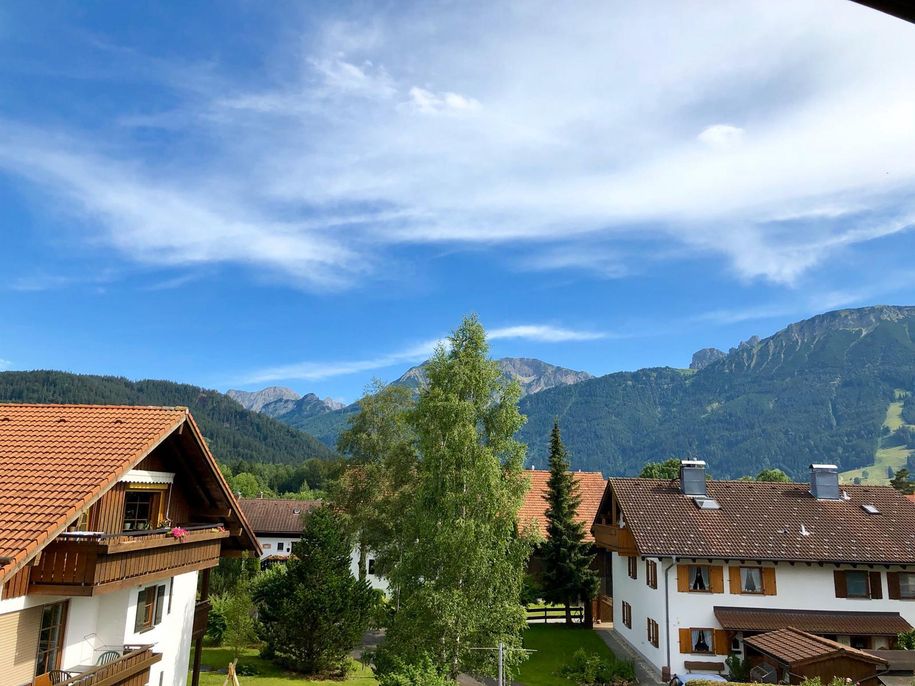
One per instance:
[(699, 578), (651, 573), (141, 510), (856, 585), (50, 637), (371, 565), (700, 640), (267, 546), (860, 642), (633, 567), (751, 580), (627, 615), (907, 585), (279, 546), (150, 603), (653, 632)]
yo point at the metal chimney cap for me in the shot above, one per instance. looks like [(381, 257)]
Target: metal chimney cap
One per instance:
[(692, 463), (824, 467)]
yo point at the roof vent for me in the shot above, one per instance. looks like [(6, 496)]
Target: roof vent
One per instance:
[(707, 504), (692, 478), (824, 482), (870, 509), (296, 511)]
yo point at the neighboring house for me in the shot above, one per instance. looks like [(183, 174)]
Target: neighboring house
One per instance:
[(277, 522), (110, 521), (699, 566), (591, 487)]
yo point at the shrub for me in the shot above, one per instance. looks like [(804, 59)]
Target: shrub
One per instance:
[(216, 622), (738, 670), (422, 674), (906, 640), (590, 669)]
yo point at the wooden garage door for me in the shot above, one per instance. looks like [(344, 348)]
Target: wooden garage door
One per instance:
[(18, 645)]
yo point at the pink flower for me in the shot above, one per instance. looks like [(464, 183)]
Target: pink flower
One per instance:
[(179, 533)]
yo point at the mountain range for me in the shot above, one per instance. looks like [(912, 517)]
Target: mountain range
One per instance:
[(232, 432), (325, 422), (836, 388)]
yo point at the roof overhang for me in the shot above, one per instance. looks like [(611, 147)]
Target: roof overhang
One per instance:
[(812, 621)]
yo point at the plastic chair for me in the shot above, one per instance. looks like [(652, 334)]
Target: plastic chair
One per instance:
[(107, 657)]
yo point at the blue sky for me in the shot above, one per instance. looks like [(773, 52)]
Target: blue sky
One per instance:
[(311, 194)]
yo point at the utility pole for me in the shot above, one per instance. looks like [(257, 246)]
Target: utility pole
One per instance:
[(500, 664)]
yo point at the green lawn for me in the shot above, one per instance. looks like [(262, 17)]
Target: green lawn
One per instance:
[(268, 674), (555, 644)]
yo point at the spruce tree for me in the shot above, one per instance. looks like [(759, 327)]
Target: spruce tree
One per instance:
[(567, 574)]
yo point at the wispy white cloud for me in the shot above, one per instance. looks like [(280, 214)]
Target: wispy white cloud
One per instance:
[(770, 141), (543, 333), (5, 365), (316, 371)]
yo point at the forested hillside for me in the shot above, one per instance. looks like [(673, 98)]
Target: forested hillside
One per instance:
[(233, 433), (817, 391)]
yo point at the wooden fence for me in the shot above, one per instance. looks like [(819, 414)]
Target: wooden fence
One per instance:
[(554, 614)]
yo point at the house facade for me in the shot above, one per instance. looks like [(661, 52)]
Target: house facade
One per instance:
[(277, 523), (698, 566), (110, 521)]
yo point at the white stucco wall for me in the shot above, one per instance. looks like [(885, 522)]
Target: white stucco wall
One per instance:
[(270, 545), (374, 580), (799, 587)]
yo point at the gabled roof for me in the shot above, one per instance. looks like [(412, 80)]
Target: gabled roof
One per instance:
[(764, 520), (56, 460), (814, 621), (591, 487), (276, 515), (794, 648)]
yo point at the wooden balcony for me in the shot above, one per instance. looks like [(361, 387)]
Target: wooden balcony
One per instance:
[(618, 539), (131, 668), (201, 616), (80, 564)]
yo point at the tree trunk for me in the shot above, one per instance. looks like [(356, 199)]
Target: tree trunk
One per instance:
[(589, 613), (363, 561), (568, 613)]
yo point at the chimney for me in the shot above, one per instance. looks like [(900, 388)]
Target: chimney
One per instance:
[(692, 478), (824, 482)]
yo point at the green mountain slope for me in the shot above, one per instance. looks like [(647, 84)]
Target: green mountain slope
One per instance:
[(816, 391), (232, 432)]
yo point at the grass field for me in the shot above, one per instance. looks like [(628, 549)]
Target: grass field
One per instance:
[(555, 644), (268, 674), (895, 457)]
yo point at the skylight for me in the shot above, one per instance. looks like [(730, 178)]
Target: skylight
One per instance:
[(870, 509), (707, 504)]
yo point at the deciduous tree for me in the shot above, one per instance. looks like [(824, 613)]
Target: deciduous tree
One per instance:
[(462, 562)]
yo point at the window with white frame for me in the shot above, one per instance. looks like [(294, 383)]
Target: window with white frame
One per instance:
[(699, 579), (701, 640), (751, 580)]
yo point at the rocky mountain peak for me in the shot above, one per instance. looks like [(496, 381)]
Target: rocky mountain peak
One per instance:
[(703, 358), (256, 400)]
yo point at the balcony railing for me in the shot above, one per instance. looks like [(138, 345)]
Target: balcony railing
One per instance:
[(134, 661), (78, 563), (615, 538)]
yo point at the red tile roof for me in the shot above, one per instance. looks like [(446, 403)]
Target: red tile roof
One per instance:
[(763, 520), (591, 487), (55, 460), (794, 647), (813, 621), (911, 497), (276, 515)]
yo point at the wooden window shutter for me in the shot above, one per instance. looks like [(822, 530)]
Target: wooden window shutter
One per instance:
[(839, 579), (768, 577), (683, 579), (140, 621), (716, 579), (686, 641), (876, 586), (160, 604), (722, 642), (892, 585), (734, 579)]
